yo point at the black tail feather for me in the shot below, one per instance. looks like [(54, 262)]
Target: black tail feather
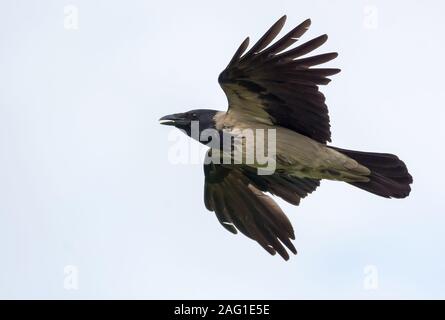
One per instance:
[(389, 176)]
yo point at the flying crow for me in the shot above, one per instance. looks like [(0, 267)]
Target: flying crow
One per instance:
[(273, 87)]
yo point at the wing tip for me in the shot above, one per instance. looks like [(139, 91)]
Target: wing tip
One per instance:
[(284, 255), (283, 18), (307, 22)]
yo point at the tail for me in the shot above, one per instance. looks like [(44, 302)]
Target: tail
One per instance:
[(389, 176)]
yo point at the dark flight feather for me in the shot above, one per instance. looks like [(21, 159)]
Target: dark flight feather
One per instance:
[(266, 39), (288, 40), (239, 52), (314, 60), (301, 50)]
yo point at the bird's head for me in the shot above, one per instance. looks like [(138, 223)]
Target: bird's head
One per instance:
[(199, 120)]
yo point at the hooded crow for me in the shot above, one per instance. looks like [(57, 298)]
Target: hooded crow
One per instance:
[(272, 87)]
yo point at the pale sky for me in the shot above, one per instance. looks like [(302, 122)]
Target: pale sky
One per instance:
[(86, 181)]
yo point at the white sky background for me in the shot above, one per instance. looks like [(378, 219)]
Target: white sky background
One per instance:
[(85, 178)]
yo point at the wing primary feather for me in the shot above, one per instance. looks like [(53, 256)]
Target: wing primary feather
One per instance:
[(290, 38), (276, 217), (221, 211), (299, 51), (270, 220), (267, 38), (315, 60), (260, 231), (239, 52), (274, 242), (208, 200)]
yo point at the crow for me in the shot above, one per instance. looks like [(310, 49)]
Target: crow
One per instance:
[(272, 87)]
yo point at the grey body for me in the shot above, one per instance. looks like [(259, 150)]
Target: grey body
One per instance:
[(297, 154)]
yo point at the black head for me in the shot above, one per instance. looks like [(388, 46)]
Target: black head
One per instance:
[(201, 118)]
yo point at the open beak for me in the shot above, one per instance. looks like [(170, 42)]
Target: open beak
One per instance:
[(170, 120)]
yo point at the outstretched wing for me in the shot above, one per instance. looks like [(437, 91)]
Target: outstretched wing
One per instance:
[(271, 85), (235, 194)]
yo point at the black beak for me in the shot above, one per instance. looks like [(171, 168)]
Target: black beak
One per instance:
[(172, 119)]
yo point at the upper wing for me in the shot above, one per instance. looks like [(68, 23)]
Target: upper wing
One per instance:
[(268, 84), (235, 195)]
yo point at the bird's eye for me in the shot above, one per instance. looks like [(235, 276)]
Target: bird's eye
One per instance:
[(194, 115)]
